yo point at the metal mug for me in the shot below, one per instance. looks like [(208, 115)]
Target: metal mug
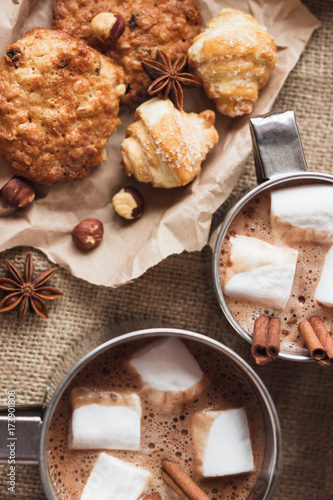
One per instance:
[(32, 429), (279, 160)]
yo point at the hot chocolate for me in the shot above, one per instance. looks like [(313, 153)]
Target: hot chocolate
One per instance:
[(298, 220), (164, 434)]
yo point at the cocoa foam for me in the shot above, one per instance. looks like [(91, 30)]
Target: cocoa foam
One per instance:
[(162, 436), (254, 221)]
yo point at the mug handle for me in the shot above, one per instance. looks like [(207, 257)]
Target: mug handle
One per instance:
[(277, 145), (20, 432)]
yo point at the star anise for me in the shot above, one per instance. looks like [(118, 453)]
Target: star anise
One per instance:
[(27, 291), (168, 77)]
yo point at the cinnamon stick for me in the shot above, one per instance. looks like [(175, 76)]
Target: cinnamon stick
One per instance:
[(323, 335), (259, 342), (325, 362), (311, 340), (273, 344), (180, 482), (266, 339), (173, 485)]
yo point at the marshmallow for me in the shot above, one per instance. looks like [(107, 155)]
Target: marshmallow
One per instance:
[(114, 479), (324, 290), (104, 420), (260, 272), (222, 442), (168, 367), (303, 213)]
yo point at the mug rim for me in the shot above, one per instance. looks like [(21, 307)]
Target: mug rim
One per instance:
[(250, 374), (266, 185)]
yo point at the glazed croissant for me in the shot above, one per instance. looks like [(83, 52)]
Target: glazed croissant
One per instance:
[(234, 57), (166, 146)]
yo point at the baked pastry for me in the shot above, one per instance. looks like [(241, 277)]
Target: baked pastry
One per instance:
[(168, 25), (234, 57), (59, 102), (166, 146)]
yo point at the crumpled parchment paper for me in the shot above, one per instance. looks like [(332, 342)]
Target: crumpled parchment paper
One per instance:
[(174, 220)]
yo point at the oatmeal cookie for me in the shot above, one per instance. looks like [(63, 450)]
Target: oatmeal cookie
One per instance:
[(168, 25), (59, 102)]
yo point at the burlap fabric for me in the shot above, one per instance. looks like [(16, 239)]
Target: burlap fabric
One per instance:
[(178, 293)]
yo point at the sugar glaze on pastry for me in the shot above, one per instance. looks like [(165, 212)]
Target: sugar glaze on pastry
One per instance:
[(234, 57), (165, 146)]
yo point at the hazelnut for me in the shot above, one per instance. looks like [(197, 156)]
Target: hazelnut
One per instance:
[(107, 27), (128, 203), (18, 192), (88, 234)]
